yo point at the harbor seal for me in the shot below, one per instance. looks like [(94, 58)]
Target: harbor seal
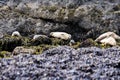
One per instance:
[(108, 38), (16, 33), (61, 35), (107, 34), (39, 36)]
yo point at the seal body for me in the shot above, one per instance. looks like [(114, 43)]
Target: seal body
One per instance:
[(39, 36), (61, 35), (107, 34), (109, 40), (16, 33)]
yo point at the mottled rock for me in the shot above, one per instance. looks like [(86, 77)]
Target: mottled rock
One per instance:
[(23, 50), (5, 54), (1, 35), (88, 43), (64, 63), (41, 39), (9, 43), (81, 18)]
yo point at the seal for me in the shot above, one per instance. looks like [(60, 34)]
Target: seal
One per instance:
[(39, 36), (107, 34), (108, 38), (16, 33), (61, 35)]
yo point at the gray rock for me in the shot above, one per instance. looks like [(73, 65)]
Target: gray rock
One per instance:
[(1, 35), (41, 39), (23, 50), (81, 18), (64, 63)]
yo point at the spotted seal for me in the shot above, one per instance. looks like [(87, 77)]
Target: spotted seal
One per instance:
[(61, 35), (108, 38), (16, 33)]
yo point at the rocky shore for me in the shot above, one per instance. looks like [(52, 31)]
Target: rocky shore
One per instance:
[(64, 63), (81, 18), (48, 58)]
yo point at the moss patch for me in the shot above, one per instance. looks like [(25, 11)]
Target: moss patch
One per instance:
[(9, 43), (88, 43), (56, 41), (41, 40), (39, 49), (26, 41), (5, 54), (76, 45)]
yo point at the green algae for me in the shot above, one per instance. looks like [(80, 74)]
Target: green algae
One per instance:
[(5, 54)]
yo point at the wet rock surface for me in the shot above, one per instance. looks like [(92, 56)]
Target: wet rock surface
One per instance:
[(81, 18), (85, 20), (64, 63)]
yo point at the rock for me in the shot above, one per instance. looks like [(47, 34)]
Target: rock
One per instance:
[(21, 7), (8, 43), (72, 42), (1, 35), (65, 63), (23, 50), (41, 39), (81, 18), (57, 41), (61, 35), (33, 6), (4, 8), (5, 54), (88, 43)]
